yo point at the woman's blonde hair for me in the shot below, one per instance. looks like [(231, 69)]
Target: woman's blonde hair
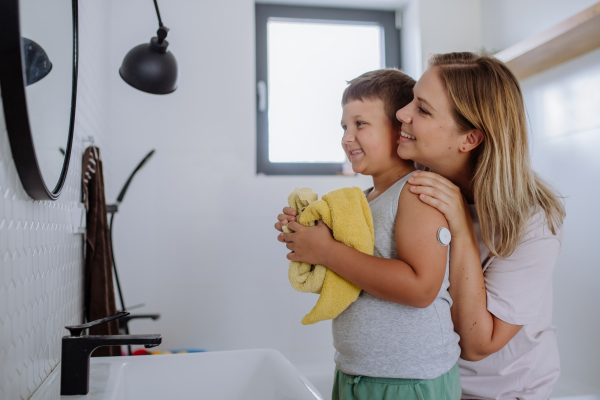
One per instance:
[(486, 96)]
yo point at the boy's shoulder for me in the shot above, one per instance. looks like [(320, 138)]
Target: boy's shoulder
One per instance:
[(411, 207)]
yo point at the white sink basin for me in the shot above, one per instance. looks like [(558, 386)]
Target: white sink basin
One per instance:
[(246, 374)]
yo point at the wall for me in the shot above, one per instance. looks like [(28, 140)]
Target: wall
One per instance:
[(562, 104), (448, 26), (565, 128), (410, 40), (506, 22), (40, 257)]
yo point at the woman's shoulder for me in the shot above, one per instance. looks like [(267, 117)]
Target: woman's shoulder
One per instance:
[(537, 235), (539, 227)]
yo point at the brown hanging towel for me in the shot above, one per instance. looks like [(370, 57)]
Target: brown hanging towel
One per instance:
[(99, 298)]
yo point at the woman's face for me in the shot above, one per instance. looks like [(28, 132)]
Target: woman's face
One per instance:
[(434, 137)]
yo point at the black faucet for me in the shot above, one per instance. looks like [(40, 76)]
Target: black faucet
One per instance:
[(76, 351)]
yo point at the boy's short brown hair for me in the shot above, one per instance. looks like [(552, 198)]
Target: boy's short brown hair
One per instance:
[(389, 85)]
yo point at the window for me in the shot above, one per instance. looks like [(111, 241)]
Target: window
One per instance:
[(304, 58)]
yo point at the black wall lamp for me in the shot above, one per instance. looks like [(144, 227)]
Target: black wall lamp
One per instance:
[(150, 67)]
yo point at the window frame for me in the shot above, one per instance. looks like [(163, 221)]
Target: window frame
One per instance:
[(263, 12)]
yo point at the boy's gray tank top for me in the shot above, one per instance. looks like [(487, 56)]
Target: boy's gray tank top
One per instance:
[(375, 337)]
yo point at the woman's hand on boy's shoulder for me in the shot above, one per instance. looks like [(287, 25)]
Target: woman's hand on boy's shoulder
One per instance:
[(443, 195)]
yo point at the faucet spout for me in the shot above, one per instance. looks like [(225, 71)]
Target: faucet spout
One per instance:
[(96, 341), (76, 352)]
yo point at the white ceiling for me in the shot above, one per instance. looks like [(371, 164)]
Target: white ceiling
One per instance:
[(370, 4)]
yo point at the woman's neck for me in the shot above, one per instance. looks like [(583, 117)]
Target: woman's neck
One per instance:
[(461, 177), (465, 184)]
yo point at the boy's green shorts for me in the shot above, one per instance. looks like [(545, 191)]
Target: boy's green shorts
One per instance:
[(349, 387)]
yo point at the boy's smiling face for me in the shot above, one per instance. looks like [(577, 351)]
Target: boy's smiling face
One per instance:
[(370, 140)]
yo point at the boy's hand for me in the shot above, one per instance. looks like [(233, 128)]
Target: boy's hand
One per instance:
[(309, 244), (289, 215)]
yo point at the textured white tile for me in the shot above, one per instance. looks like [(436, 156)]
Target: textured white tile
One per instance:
[(41, 262)]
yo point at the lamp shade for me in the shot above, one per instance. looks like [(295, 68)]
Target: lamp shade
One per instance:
[(37, 64), (151, 68)]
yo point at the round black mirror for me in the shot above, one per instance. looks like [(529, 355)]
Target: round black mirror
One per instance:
[(38, 81)]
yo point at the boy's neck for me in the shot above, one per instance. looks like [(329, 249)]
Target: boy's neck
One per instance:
[(384, 180)]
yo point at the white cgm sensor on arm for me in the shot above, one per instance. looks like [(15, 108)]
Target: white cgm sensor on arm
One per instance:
[(443, 236)]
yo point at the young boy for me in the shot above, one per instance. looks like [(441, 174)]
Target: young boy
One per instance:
[(396, 341)]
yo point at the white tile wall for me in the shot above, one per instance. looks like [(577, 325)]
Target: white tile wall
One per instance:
[(41, 267)]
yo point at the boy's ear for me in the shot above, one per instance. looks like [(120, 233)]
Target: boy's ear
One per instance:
[(471, 140)]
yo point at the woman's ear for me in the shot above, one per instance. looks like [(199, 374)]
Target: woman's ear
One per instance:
[(471, 140)]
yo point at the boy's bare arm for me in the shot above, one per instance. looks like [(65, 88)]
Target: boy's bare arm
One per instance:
[(417, 244), (414, 281)]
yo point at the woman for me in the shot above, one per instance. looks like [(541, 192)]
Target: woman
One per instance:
[(468, 122)]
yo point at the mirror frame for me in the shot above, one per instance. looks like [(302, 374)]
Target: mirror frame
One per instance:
[(12, 84)]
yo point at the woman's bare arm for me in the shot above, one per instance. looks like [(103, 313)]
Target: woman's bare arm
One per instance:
[(481, 333)]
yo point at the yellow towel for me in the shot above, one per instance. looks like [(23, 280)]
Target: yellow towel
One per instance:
[(346, 212)]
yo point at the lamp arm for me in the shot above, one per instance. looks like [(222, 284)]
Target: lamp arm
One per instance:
[(160, 24), (162, 30)]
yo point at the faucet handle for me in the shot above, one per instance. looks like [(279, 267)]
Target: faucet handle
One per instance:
[(75, 330)]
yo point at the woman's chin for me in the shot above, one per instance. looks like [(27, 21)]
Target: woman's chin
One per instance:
[(405, 155)]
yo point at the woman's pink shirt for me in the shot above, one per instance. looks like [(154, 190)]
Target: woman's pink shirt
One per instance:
[(519, 291)]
